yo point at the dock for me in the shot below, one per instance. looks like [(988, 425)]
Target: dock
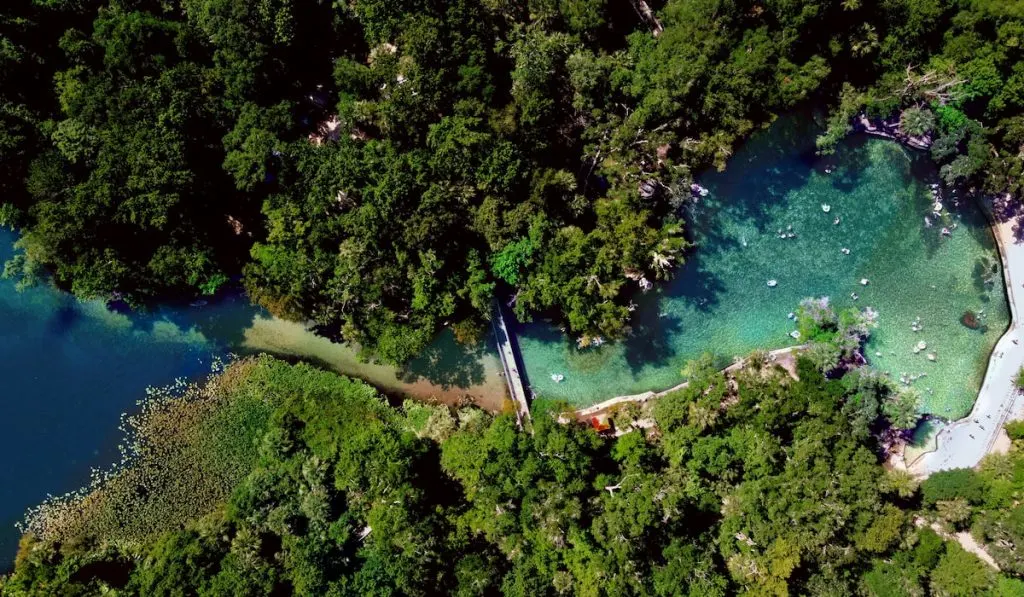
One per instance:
[(509, 362)]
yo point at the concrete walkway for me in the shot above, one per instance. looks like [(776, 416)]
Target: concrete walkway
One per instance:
[(963, 443), (782, 356)]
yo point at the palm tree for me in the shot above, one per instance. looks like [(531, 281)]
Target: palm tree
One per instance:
[(917, 121), (902, 409), (900, 482), (702, 416), (955, 511), (866, 42)]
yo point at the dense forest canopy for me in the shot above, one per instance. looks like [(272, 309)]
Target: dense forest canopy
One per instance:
[(297, 481), (382, 167)]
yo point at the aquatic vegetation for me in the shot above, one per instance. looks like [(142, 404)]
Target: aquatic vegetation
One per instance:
[(193, 444), (347, 498), (184, 451)]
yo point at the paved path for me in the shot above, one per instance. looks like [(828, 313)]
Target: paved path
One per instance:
[(782, 356), (963, 443)]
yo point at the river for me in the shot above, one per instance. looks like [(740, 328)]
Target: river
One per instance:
[(70, 368)]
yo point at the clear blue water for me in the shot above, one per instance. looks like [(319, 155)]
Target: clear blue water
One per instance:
[(720, 302)]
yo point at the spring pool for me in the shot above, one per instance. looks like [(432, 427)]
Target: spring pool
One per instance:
[(720, 301)]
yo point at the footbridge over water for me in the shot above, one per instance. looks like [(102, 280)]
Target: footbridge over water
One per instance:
[(510, 362)]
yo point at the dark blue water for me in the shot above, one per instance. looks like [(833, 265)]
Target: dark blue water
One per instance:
[(69, 369)]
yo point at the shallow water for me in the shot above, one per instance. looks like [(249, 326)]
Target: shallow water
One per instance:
[(720, 301), (70, 368)]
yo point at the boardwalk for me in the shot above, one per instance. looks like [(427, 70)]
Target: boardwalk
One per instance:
[(509, 363)]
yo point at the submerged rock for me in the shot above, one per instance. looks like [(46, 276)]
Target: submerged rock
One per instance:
[(970, 320)]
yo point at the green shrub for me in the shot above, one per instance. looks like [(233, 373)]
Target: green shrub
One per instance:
[(948, 485), (1018, 380), (1015, 429)]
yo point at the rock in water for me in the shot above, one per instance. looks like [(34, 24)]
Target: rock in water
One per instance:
[(970, 320)]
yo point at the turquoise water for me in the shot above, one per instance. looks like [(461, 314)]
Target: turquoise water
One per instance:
[(720, 301)]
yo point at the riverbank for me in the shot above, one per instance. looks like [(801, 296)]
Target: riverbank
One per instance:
[(446, 373), (72, 369), (963, 443)]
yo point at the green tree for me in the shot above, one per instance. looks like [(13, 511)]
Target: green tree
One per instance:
[(961, 573)]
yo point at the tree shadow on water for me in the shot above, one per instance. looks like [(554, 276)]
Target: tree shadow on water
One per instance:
[(984, 275), (222, 319), (763, 172), (63, 319), (649, 343), (653, 326), (850, 163), (448, 364)]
